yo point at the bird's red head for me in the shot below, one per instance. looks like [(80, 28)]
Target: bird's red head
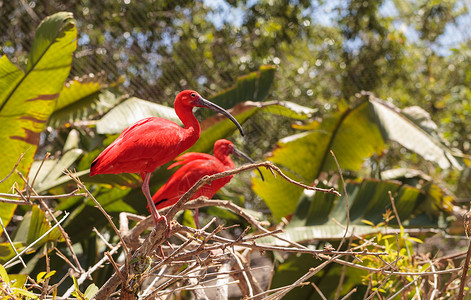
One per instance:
[(190, 99), (223, 147)]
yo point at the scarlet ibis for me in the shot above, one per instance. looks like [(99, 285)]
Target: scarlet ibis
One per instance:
[(194, 167), (152, 142)]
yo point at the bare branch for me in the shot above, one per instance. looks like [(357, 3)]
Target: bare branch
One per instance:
[(11, 243), (45, 208), (98, 205), (208, 179), (10, 262), (465, 272), (44, 197)]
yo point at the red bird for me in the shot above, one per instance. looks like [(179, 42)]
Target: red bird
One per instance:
[(152, 142), (194, 167)]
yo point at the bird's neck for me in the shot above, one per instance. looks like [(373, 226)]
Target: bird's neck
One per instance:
[(190, 123), (225, 159)]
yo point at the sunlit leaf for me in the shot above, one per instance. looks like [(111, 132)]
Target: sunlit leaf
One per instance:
[(131, 111), (253, 86), (49, 177), (27, 98), (7, 252), (91, 290), (289, 109), (397, 127), (18, 280), (4, 274), (42, 276), (354, 135), (82, 99)]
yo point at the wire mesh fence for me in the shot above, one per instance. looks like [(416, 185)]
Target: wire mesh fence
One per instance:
[(140, 40)]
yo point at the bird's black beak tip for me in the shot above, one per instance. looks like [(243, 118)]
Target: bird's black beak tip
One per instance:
[(261, 175)]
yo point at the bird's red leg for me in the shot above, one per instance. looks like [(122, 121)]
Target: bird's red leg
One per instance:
[(145, 189)]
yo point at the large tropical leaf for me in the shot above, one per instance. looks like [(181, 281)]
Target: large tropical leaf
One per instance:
[(27, 97), (52, 169), (253, 86), (368, 200), (131, 111), (82, 99), (354, 135), (218, 126), (400, 128)]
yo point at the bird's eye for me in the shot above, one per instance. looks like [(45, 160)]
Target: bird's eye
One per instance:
[(193, 95)]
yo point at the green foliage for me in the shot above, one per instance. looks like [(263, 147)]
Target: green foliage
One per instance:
[(318, 214), (91, 290), (400, 249), (254, 87), (81, 99), (28, 96), (318, 69), (326, 280), (131, 111), (31, 229), (14, 285), (354, 135)]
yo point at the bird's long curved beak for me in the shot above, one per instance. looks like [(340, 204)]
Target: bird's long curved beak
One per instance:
[(243, 155), (210, 105)]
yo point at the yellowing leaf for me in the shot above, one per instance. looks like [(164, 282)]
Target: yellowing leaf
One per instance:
[(27, 98), (415, 240), (4, 274), (368, 222), (91, 291), (42, 276)]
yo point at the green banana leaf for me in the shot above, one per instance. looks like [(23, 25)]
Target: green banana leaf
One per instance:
[(218, 127), (83, 99), (131, 111), (354, 135), (27, 97), (254, 86)]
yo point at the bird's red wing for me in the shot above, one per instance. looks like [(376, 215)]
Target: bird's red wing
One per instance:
[(189, 157), (185, 177), (142, 147)]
